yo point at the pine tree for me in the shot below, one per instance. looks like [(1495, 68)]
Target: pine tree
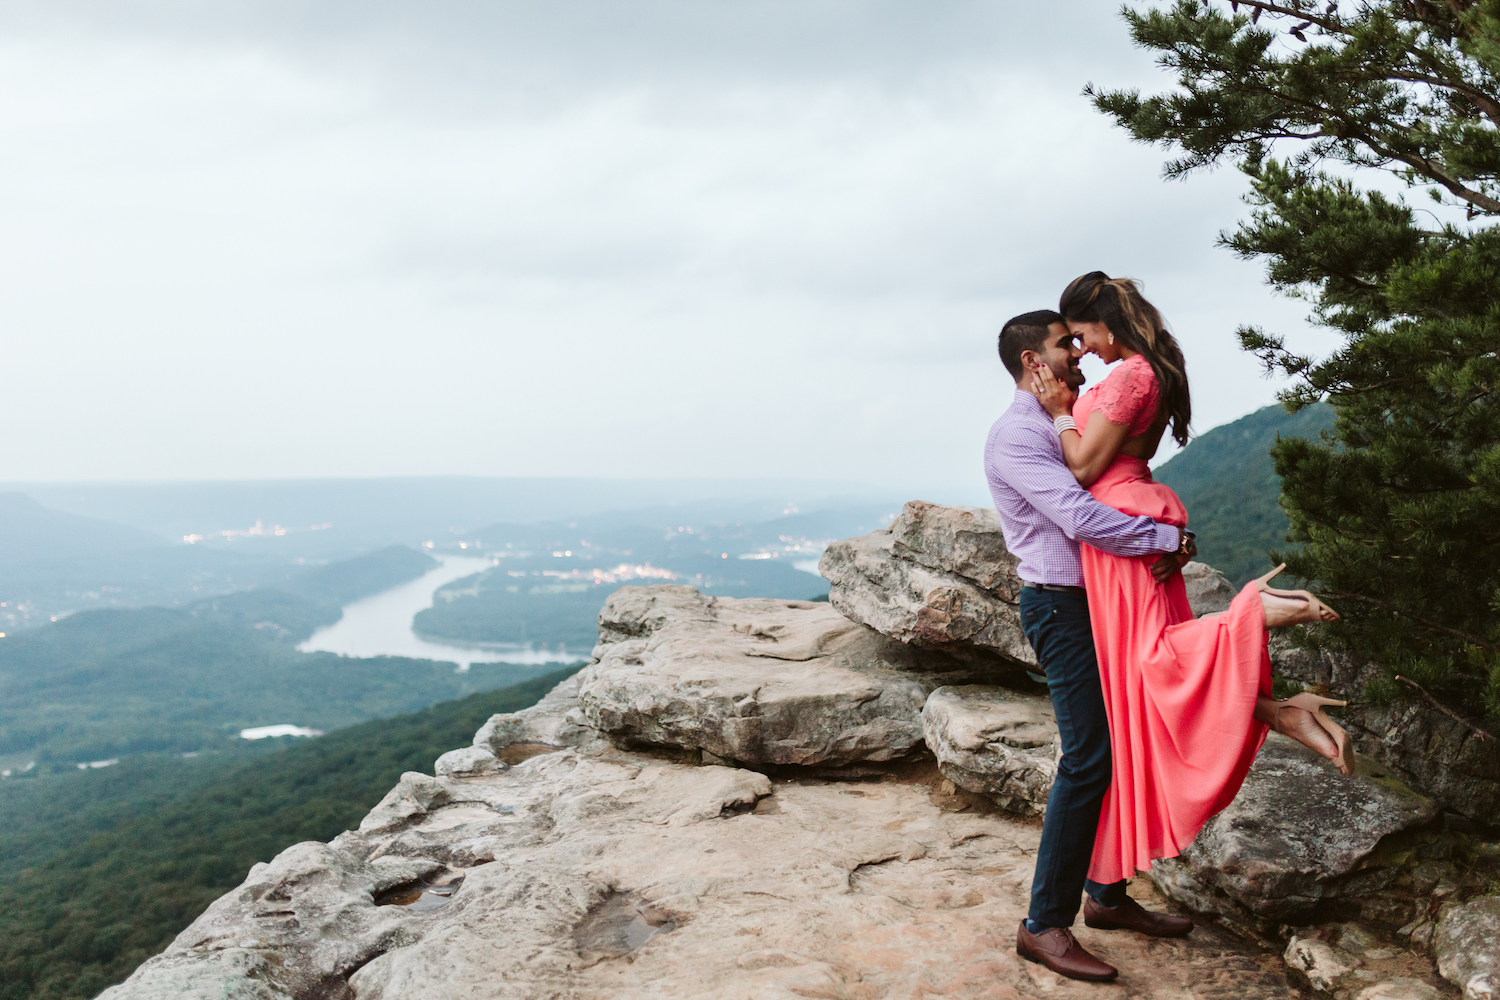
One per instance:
[(1398, 511)]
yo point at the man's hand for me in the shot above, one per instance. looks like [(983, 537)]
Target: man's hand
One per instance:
[(1173, 562), (1056, 398)]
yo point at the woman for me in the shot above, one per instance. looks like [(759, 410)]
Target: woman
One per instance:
[(1189, 700)]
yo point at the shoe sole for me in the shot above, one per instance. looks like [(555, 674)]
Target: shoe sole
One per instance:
[(1087, 979), (1121, 927)]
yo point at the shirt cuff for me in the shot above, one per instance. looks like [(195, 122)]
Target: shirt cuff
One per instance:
[(1168, 537)]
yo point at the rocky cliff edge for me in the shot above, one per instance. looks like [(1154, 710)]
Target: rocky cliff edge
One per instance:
[(778, 799)]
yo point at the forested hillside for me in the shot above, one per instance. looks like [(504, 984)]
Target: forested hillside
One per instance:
[(102, 684), (1229, 484), (184, 833)]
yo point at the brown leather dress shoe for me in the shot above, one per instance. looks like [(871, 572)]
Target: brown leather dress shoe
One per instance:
[(1059, 950), (1132, 916)]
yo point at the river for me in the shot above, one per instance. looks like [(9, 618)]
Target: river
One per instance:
[(380, 625)]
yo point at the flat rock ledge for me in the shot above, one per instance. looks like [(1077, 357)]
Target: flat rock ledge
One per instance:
[(1298, 837), (761, 682), (938, 578), (994, 741), (594, 871)]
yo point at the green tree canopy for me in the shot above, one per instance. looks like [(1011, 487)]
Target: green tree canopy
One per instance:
[(1337, 113)]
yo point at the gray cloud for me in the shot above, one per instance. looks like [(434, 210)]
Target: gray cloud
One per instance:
[(754, 238)]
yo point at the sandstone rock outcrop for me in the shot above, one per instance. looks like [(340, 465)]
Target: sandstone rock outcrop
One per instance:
[(938, 578), (1299, 834), (994, 741), (607, 842), (597, 872), (761, 682)]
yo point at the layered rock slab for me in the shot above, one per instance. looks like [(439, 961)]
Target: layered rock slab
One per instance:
[(938, 578), (744, 889), (1298, 835), (758, 681), (994, 741), (297, 927), (1453, 762)]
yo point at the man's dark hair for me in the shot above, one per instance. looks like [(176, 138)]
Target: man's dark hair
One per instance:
[(1025, 332)]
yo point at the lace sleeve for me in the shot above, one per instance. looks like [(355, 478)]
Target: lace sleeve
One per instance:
[(1129, 395)]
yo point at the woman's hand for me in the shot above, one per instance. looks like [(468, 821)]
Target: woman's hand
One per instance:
[(1056, 398)]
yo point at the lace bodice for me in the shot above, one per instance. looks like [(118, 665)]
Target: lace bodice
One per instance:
[(1128, 396)]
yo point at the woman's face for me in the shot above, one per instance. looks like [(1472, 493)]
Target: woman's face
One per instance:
[(1094, 339)]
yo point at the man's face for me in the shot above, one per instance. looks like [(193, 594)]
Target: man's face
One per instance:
[(1060, 352)]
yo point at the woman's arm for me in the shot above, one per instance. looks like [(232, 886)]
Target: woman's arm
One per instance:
[(1087, 454)]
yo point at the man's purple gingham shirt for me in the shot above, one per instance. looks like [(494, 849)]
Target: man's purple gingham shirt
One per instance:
[(1044, 513)]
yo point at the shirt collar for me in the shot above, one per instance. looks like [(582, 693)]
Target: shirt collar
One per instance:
[(1029, 404)]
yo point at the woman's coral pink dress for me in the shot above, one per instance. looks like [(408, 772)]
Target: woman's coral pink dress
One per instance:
[(1180, 691)]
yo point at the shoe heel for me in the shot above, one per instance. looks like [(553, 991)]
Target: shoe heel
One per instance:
[(1262, 581), (1313, 703)]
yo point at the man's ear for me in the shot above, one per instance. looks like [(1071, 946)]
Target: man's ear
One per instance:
[(1030, 361)]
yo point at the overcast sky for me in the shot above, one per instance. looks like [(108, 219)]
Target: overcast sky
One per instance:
[(714, 238)]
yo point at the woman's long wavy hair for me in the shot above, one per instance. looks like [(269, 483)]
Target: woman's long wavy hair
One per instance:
[(1119, 305)]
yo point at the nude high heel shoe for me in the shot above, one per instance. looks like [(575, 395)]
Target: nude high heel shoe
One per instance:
[(1313, 705), (1316, 610)]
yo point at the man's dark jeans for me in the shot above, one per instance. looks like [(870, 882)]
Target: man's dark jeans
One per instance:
[(1057, 626)]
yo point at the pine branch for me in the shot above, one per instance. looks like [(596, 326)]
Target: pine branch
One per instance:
[(1328, 22), (1345, 595), (1445, 709)]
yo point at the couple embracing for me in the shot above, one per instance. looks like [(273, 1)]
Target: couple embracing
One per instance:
[(1160, 714)]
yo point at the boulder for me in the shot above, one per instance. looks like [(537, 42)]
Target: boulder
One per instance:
[(1467, 944), (937, 578), (1297, 835), (757, 681), (1208, 590), (597, 872), (994, 741), (468, 762), (1425, 748), (1325, 966)]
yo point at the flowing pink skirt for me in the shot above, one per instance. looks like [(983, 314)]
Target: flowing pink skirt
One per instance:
[(1179, 691)]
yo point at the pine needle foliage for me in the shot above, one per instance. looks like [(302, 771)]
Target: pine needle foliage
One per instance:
[(1342, 115)]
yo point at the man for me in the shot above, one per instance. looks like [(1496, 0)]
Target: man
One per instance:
[(1044, 514)]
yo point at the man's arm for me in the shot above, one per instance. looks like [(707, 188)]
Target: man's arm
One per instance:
[(1032, 469)]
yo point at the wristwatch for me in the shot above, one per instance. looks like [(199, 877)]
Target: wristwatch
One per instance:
[(1182, 544)]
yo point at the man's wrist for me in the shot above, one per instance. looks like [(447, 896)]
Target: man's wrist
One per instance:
[(1184, 542)]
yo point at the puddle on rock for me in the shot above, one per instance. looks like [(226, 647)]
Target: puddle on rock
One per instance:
[(618, 926), (517, 752), (420, 896)]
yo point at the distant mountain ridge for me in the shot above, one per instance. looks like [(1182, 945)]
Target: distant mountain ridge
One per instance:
[(1228, 481), (30, 532)]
